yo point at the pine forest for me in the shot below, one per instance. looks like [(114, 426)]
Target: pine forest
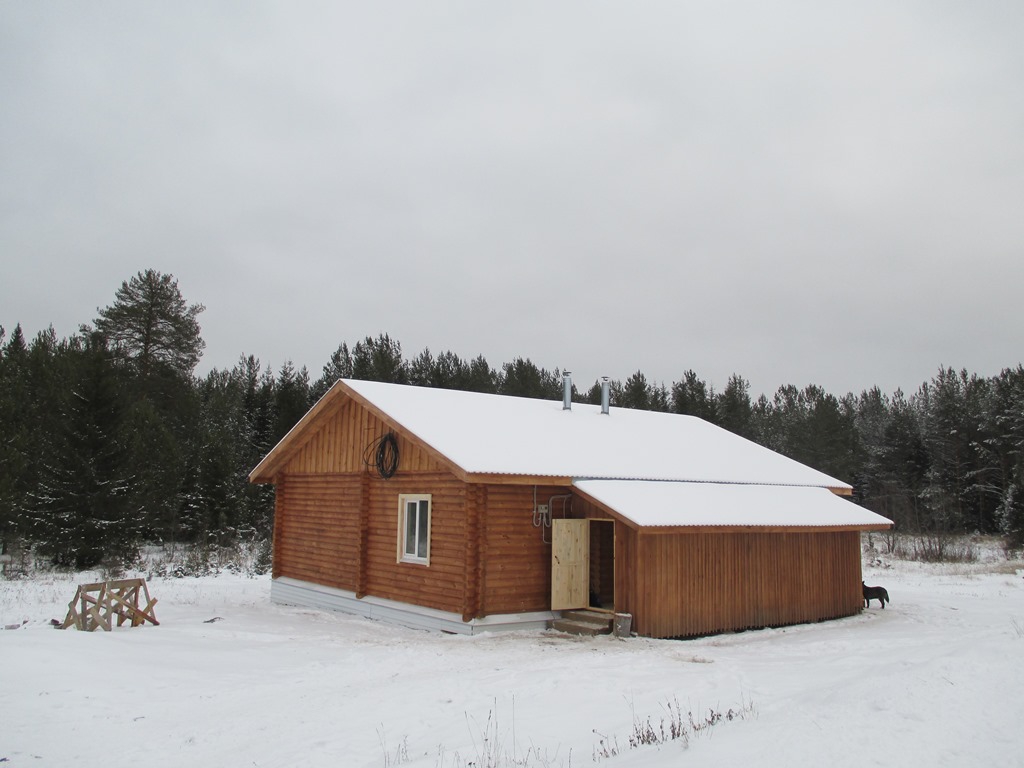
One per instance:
[(109, 441)]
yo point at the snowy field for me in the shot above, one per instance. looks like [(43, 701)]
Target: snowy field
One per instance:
[(935, 679)]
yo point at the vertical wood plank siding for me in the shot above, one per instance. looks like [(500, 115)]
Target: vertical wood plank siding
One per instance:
[(693, 584), (341, 444), (626, 589)]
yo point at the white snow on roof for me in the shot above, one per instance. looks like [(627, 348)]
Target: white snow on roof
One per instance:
[(652, 504), (484, 433)]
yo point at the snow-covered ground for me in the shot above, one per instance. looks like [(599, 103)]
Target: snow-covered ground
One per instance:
[(937, 678)]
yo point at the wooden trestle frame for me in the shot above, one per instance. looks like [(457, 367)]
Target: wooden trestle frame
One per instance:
[(95, 605)]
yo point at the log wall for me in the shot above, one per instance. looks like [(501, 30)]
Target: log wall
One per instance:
[(337, 524), (486, 556), (343, 531), (316, 525), (516, 559), (441, 583)]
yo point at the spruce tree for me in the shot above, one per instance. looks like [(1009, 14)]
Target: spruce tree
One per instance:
[(960, 497), (338, 367), (733, 407), (15, 436), (522, 378), (450, 372), (82, 509), (636, 393), (32, 380), (481, 377), (905, 468), (216, 502), (1005, 427), (379, 359), (692, 396), (158, 460), (420, 370), (829, 435), (291, 398)]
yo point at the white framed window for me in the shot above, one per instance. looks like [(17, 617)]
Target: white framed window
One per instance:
[(414, 528)]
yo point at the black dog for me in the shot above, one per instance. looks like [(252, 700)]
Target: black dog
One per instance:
[(874, 593)]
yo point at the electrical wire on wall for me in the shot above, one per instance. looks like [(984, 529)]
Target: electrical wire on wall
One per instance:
[(382, 455), (542, 513), (540, 517)]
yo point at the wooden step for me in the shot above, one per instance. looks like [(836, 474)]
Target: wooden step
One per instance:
[(586, 614), (584, 622)]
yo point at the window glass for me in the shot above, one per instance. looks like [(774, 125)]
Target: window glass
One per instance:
[(410, 528), (422, 528)]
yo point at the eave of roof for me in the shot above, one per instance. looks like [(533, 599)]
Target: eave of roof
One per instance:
[(668, 507)]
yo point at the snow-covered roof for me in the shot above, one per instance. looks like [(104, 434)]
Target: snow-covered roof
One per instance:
[(491, 434), (651, 469), (661, 504)]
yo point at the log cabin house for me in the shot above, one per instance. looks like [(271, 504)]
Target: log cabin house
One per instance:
[(471, 512)]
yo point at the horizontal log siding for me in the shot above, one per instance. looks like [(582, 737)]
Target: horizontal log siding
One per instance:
[(341, 443), (701, 583), (316, 528), (516, 562), (441, 584), (275, 559), (317, 539)]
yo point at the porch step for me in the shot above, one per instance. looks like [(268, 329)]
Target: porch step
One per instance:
[(584, 623)]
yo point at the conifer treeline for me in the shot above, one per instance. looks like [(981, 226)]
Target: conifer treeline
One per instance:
[(948, 458), (108, 439)]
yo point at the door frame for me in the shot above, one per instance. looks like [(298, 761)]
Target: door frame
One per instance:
[(571, 562)]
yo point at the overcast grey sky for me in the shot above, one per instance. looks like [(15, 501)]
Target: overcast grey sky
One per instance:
[(828, 193)]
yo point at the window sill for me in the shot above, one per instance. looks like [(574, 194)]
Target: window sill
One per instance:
[(413, 561)]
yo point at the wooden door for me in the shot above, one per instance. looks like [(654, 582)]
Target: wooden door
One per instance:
[(570, 564)]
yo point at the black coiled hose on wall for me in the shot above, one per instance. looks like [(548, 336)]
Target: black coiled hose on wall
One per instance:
[(384, 453)]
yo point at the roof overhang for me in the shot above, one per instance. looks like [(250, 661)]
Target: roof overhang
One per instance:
[(684, 507)]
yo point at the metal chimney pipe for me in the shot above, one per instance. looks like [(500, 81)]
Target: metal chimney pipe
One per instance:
[(606, 395), (566, 390)]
